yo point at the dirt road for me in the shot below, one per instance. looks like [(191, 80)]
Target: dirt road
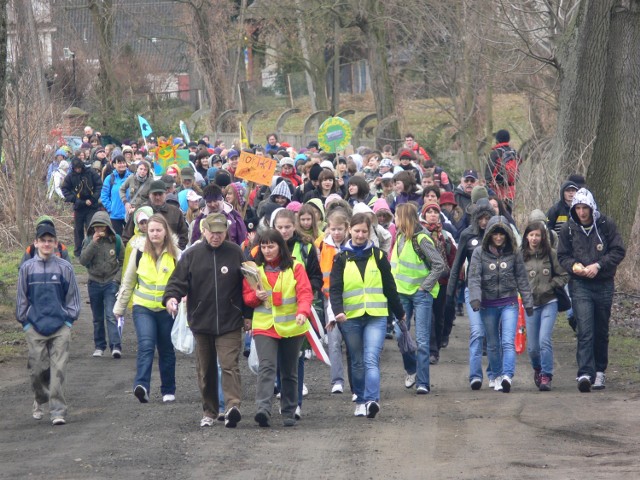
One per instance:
[(451, 433)]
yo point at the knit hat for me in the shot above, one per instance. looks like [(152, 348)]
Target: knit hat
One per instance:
[(380, 205), (406, 153), (447, 197), (287, 161), (430, 205), (331, 198), (315, 172), (61, 153), (211, 173), (478, 192), (126, 149), (294, 207), (222, 178), (282, 189), (327, 164), (241, 192)]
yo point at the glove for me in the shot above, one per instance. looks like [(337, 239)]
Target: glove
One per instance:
[(475, 305), (529, 311)]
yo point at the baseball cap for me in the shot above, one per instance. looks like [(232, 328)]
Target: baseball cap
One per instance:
[(187, 173), (45, 229), (158, 186), (193, 196), (216, 222), (385, 162), (470, 173)]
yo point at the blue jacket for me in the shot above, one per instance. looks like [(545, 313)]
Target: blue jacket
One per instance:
[(48, 295), (110, 195)]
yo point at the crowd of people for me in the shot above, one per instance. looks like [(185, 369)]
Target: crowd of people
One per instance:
[(369, 244)]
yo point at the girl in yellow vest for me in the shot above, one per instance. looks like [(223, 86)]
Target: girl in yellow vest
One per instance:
[(145, 279), (279, 323), (416, 266), (361, 292), (335, 238)]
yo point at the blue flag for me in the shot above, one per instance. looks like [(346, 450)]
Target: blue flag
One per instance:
[(185, 132), (145, 128)]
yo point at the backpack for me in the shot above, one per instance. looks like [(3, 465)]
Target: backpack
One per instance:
[(505, 169)]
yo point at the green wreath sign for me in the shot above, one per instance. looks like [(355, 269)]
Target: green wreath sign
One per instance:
[(334, 134)]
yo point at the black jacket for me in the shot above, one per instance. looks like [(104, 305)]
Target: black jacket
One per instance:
[(212, 280), (77, 188)]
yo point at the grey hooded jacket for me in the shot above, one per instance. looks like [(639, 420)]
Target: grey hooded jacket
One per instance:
[(103, 258)]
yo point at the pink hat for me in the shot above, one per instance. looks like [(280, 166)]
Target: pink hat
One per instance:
[(331, 198), (294, 206)]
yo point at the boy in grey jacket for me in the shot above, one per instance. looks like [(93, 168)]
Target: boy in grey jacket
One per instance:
[(47, 304), (103, 254)]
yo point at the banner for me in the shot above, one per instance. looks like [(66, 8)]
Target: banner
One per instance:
[(167, 154), (254, 168), (334, 135), (145, 128)]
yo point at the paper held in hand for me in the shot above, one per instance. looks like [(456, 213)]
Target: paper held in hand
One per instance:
[(252, 275)]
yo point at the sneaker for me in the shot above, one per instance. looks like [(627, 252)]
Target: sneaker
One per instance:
[(599, 383), (168, 398), (37, 410), (337, 388), (206, 422), (421, 390), (445, 342), (545, 383), (476, 384), (372, 408), (298, 414), (278, 395), (221, 416), (58, 421), (262, 418), (305, 390), (497, 386), (584, 383), (492, 383), (232, 417), (536, 377), (433, 359), (98, 353), (115, 353), (506, 384), (141, 394), (289, 422), (354, 397), (410, 380), (361, 410)]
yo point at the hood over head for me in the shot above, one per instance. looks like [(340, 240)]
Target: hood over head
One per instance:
[(483, 207), (499, 222), (568, 184), (537, 215), (281, 189), (77, 163), (100, 218), (317, 203), (584, 196), (381, 204)]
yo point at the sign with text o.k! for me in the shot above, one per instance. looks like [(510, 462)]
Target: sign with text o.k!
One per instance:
[(254, 168)]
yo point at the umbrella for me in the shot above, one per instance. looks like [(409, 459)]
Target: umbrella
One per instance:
[(406, 343)]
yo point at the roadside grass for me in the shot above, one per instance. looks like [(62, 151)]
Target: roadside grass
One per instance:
[(624, 363), (12, 342)]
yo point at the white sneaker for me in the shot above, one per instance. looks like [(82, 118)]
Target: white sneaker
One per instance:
[(305, 390), (354, 397), (372, 408), (206, 422), (98, 353), (498, 384), (278, 395), (232, 417), (37, 410), (337, 388), (410, 380), (168, 398), (116, 353), (58, 421), (599, 383), (506, 384), (492, 383), (361, 410), (298, 413)]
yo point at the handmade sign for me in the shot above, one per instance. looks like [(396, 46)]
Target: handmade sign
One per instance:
[(167, 154), (255, 168), (334, 135)]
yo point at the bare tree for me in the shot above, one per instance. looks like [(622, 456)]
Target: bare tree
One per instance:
[(3, 63)]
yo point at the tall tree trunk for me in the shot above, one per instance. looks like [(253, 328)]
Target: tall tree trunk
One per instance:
[(615, 168), (3, 64), (335, 97), (583, 70), (310, 75), (370, 20)]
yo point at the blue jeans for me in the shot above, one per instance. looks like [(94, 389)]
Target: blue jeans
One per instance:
[(220, 392), (364, 337), (496, 320), (476, 339), (154, 330), (539, 333), (592, 309), (420, 306), (102, 297)]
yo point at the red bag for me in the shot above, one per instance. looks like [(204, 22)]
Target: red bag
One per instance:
[(521, 329)]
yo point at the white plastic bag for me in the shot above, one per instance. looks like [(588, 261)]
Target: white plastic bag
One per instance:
[(253, 358), (181, 335)]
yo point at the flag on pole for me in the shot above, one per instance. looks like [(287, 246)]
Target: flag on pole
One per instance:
[(145, 128), (185, 132), (316, 344), (244, 138), (316, 323)]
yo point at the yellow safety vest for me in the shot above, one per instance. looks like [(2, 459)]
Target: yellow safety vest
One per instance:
[(363, 296), (297, 252), (408, 269), (152, 281), (282, 317)]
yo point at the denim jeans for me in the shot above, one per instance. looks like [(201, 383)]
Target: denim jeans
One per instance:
[(103, 297), (592, 309), (476, 339), (437, 322), (497, 320), (539, 333), (420, 306), (408, 359), (364, 337), (154, 330)]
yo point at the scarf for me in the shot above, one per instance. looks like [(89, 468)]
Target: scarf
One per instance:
[(435, 230)]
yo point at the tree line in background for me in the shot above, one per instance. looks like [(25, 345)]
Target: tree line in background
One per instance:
[(573, 60)]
